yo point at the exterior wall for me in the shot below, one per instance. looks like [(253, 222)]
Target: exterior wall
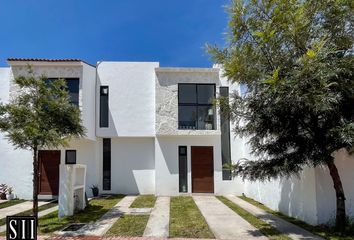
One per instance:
[(326, 197), (131, 98), (16, 164), (132, 165), (87, 153), (295, 197), (166, 164), (88, 91), (167, 98), (84, 72)]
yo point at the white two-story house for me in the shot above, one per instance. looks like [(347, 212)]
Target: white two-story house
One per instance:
[(155, 130), (149, 130)]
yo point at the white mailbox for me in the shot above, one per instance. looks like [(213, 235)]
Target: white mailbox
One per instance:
[(71, 189)]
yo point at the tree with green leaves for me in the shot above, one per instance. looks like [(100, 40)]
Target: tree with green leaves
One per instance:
[(40, 116), (296, 59)]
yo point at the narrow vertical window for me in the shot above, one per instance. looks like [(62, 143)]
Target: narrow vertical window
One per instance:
[(225, 136), (182, 166), (104, 106), (73, 85), (106, 164)]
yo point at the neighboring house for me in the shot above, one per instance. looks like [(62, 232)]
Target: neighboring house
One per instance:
[(154, 130)]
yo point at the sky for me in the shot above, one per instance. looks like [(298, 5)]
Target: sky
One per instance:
[(172, 32)]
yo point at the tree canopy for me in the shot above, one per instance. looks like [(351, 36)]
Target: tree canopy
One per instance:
[(296, 59)]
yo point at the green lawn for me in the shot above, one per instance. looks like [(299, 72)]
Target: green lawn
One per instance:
[(269, 231), (144, 201), (186, 219), (11, 203), (325, 232), (29, 212), (129, 226), (93, 212)]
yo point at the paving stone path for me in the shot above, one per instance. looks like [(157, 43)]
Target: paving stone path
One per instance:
[(225, 223), (40, 214), (158, 224), (110, 238), (21, 207), (293, 231), (100, 227)]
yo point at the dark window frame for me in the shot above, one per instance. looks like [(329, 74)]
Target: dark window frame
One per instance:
[(196, 105), (106, 164), (66, 156), (180, 187), (225, 137), (104, 116)]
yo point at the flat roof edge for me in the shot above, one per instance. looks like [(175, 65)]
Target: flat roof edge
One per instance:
[(188, 69)]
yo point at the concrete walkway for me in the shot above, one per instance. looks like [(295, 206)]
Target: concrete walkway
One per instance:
[(225, 223), (158, 224), (21, 207), (110, 238), (293, 231), (2, 201), (101, 226), (40, 214)]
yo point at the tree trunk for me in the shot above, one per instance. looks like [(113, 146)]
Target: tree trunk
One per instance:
[(337, 183), (35, 182)]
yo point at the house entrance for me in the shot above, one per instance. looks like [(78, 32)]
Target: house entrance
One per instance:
[(202, 169), (48, 172)]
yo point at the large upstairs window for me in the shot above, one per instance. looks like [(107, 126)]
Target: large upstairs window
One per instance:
[(195, 106), (72, 85)]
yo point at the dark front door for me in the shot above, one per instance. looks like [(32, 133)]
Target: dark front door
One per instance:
[(202, 170), (49, 172)]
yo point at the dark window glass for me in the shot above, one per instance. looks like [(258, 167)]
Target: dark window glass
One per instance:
[(225, 137), (206, 94), (73, 87), (104, 119), (106, 164), (187, 117), (70, 157), (195, 106), (187, 93), (183, 169)]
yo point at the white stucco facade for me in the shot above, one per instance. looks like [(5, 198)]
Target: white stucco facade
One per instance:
[(15, 164), (131, 98), (145, 138)]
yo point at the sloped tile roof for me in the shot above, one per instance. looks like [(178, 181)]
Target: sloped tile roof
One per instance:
[(46, 60)]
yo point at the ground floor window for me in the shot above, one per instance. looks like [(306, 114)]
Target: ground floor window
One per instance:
[(70, 157), (106, 164), (182, 152)]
